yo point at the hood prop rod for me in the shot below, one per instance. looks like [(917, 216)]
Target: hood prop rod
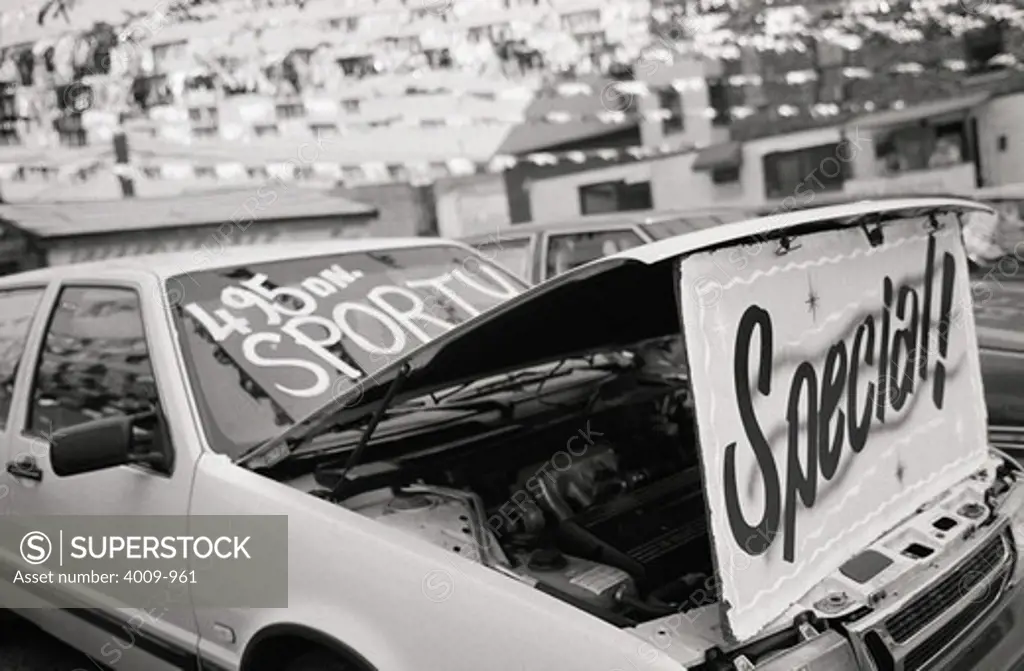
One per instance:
[(375, 419)]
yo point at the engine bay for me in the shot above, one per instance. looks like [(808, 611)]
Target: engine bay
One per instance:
[(603, 509)]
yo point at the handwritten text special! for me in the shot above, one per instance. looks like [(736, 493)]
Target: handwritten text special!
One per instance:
[(839, 412)]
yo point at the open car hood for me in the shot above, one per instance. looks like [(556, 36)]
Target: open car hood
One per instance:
[(804, 462), (614, 301)]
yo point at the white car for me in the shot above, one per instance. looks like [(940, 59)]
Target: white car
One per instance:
[(761, 446)]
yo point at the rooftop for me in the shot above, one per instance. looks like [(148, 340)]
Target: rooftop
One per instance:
[(271, 201), (163, 266)]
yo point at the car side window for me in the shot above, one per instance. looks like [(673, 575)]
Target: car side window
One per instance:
[(662, 230), (513, 254), (569, 250), (17, 309), (94, 362)]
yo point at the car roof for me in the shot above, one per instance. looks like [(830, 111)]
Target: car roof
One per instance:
[(1005, 191), (759, 228), (613, 220), (169, 264)]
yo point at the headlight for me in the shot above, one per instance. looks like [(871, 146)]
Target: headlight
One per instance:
[(825, 652)]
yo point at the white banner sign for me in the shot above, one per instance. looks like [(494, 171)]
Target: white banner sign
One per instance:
[(837, 388)]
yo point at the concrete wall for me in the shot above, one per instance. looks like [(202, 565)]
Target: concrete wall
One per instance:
[(521, 178), (403, 210), (471, 205), (1002, 117), (674, 183)]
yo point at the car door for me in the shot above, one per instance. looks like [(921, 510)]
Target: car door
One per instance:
[(94, 360), (18, 310), (565, 250)]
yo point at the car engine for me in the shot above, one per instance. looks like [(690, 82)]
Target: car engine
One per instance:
[(612, 521)]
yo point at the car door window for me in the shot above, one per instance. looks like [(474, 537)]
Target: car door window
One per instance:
[(667, 229), (17, 309), (513, 254), (569, 250), (94, 362)]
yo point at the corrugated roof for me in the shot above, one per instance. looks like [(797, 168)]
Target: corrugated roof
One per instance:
[(177, 263), (70, 218), (104, 186), (387, 145), (917, 112)]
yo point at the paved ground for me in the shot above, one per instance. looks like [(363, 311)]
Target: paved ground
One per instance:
[(25, 648)]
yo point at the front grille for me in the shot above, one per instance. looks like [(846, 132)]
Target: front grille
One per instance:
[(925, 608), (919, 657)]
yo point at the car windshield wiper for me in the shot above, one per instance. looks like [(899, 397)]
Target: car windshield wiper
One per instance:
[(364, 440), (518, 379)]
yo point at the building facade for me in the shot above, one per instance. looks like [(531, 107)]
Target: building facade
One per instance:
[(950, 146)]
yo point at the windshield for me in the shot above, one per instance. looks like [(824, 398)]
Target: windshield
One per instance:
[(267, 344), (661, 230)]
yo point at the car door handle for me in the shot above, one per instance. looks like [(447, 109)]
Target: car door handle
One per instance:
[(26, 467)]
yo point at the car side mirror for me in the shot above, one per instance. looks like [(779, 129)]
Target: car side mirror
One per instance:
[(109, 442)]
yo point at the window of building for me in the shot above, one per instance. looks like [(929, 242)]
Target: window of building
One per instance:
[(514, 254), (718, 99), (348, 24), (921, 146), (725, 175), (350, 106), (619, 196), (324, 129), (439, 59), (361, 66), (671, 102), (570, 250), (815, 169), (94, 363), (9, 135), (205, 121), (203, 116), (17, 308), (290, 110), (70, 130), (9, 114)]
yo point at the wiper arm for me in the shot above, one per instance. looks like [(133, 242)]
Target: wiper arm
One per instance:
[(364, 440), (454, 406)]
